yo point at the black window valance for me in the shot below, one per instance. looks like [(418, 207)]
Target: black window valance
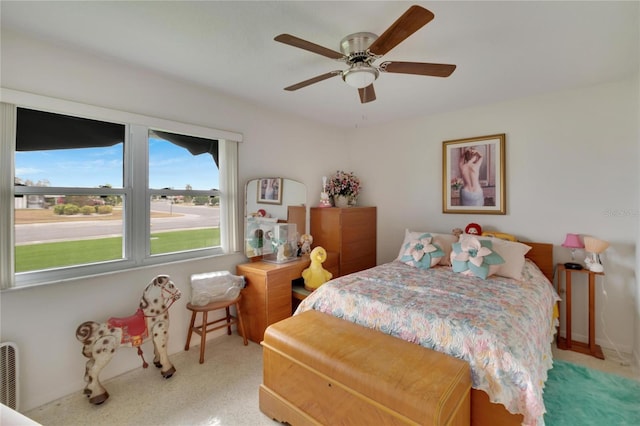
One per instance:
[(39, 130), (193, 144)]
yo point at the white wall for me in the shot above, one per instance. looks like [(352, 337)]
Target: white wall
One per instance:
[(42, 320), (572, 166), (399, 165)]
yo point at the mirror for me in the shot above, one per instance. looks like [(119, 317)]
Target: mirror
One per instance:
[(269, 201)]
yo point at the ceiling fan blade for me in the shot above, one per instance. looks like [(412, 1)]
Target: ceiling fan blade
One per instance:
[(367, 94), (418, 68), (411, 21), (307, 45), (312, 81)]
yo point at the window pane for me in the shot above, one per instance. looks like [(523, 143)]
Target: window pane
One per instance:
[(53, 231), (180, 223), (183, 221), (182, 162), (62, 151)]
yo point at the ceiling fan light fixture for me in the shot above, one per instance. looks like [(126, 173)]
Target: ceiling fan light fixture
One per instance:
[(361, 50), (360, 75)]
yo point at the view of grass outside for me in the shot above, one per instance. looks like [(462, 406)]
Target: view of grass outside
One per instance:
[(167, 242), (33, 257), (56, 254)]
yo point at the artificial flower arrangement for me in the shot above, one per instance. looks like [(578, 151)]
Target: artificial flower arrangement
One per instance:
[(343, 183)]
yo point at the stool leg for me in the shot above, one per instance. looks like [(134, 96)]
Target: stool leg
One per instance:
[(228, 321), (203, 336), (241, 324), (193, 320)]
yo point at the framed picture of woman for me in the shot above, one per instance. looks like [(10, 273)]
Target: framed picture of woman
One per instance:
[(473, 175), (270, 191)]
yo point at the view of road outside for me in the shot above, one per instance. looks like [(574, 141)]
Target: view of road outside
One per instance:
[(165, 217), (40, 232)]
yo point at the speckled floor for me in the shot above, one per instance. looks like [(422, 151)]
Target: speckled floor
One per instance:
[(613, 363), (222, 391)]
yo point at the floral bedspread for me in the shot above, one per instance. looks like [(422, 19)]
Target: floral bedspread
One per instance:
[(502, 327)]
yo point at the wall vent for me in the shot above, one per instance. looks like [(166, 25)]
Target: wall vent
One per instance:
[(9, 375)]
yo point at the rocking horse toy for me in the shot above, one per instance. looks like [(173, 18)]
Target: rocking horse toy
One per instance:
[(101, 340)]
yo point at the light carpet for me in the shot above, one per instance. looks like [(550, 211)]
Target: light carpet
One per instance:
[(576, 395)]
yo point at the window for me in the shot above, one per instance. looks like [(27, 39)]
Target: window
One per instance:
[(69, 191), (92, 196), (184, 204)]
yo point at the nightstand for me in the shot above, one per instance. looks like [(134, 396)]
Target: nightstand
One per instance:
[(589, 348)]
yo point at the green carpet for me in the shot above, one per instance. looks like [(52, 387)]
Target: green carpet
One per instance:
[(575, 395)]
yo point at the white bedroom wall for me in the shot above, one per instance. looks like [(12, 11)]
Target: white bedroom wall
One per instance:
[(572, 166), (42, 320)]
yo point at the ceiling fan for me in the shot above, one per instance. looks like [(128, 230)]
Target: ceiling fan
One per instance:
[(361, 50)]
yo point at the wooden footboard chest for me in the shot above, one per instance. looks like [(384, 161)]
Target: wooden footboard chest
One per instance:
[(319, 369)]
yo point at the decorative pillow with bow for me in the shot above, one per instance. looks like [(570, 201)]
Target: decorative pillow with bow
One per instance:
[(419, 251), (475, 257)]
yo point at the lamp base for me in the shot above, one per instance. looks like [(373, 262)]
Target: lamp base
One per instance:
[(596, 267)]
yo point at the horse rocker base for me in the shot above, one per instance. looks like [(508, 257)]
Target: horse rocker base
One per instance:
[(101, 340)]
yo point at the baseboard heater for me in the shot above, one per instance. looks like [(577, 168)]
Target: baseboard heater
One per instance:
[(9, 375)]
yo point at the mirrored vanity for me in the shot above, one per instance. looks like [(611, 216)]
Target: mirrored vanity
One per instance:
[(274, 287), (271, 204), (275, 217)]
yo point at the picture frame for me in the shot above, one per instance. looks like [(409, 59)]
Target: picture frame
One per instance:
[(473, 175), (269, 191)]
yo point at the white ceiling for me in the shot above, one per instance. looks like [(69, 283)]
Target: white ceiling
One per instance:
[(503, 50)]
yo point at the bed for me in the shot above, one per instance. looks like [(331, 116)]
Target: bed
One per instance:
[(502, 326)]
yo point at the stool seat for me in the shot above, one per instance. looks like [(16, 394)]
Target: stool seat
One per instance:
[(207, 326)]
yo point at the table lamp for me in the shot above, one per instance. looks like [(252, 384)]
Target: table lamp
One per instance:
[(595, 247), (573, 242)]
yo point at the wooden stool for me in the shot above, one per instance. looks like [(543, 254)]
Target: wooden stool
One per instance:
[(203, 329)]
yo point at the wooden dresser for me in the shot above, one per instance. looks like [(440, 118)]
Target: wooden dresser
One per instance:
[(351, 232), (267, 296)]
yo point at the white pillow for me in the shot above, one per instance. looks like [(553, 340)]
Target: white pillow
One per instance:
[(443, 240), (512, 253)]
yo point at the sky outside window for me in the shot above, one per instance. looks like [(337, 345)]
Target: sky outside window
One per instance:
[(170, 166), (77, 167)]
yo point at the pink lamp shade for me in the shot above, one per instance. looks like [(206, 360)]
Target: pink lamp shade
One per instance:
[(572, 241)]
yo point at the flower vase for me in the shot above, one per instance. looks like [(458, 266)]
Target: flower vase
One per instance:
[(341, 201)]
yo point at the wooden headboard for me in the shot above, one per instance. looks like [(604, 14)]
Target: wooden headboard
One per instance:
[(542, 255)]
